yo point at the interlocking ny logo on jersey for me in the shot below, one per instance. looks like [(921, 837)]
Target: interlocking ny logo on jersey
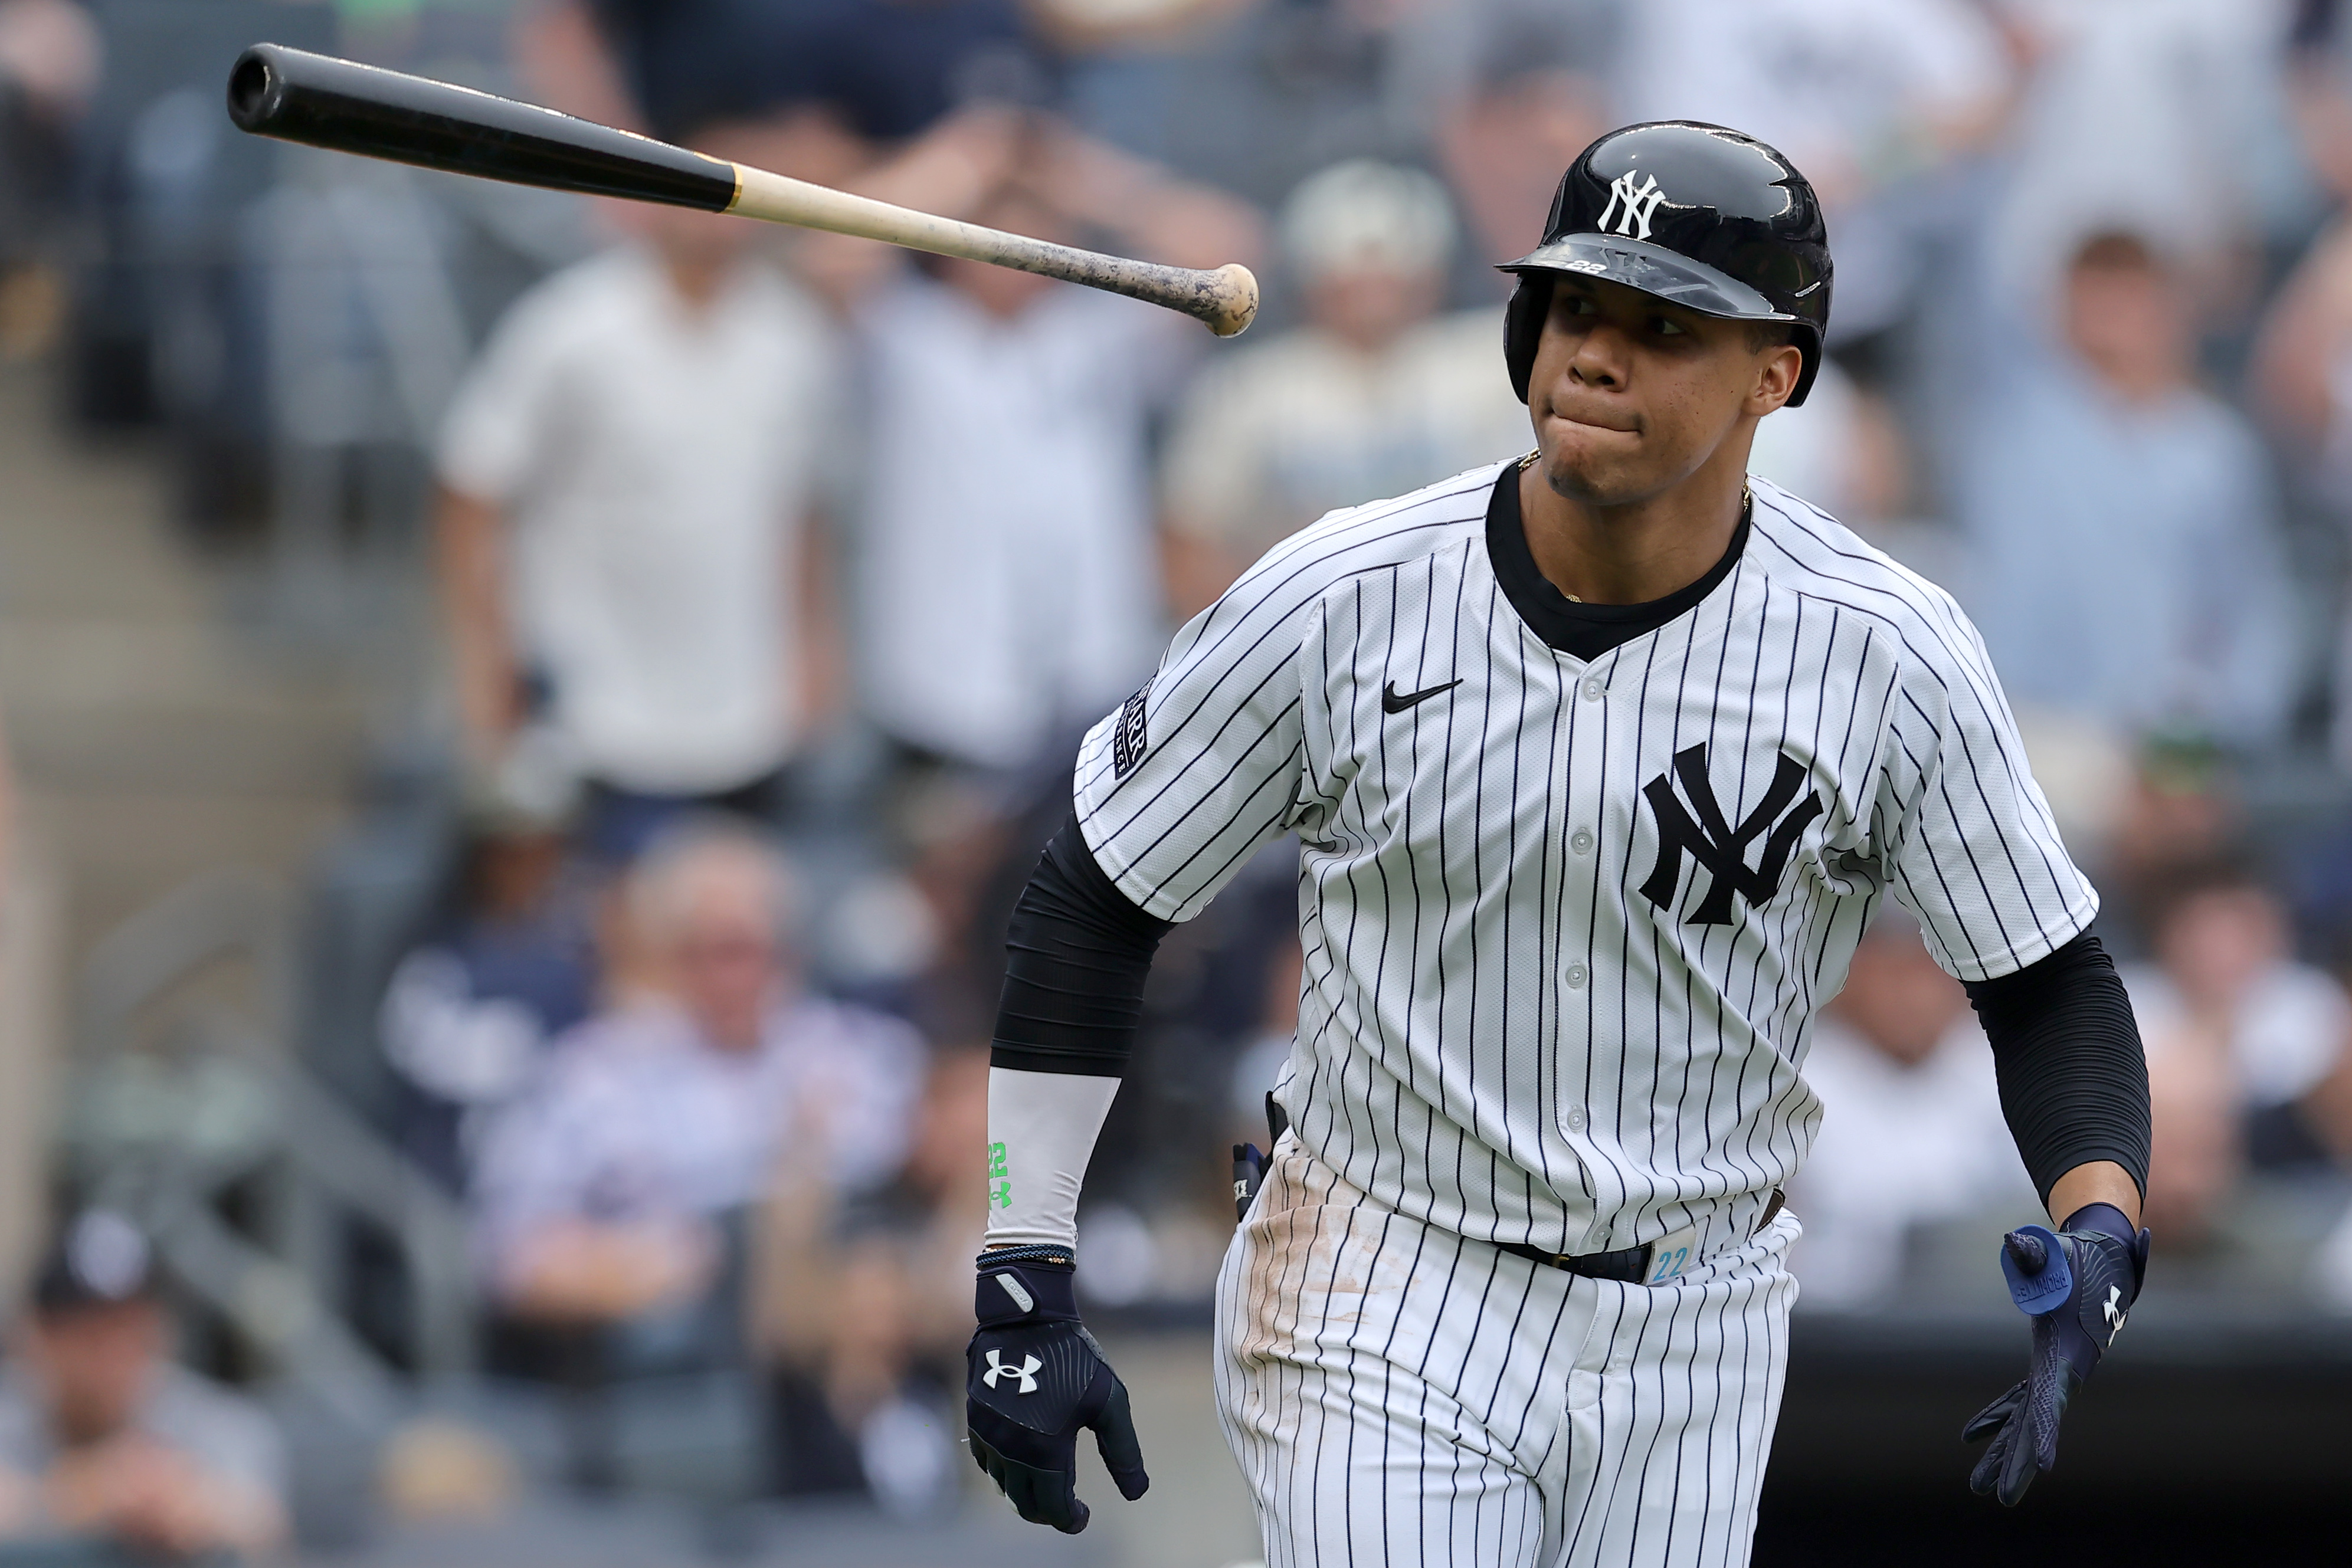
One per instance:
[(1630, 205), (1718, 847), (1027, 1371)]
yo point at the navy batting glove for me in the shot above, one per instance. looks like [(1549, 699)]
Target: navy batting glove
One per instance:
[(2077, 1286), (1037, 1377)]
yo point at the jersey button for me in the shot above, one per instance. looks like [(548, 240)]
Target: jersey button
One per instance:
[(1593, 689), (1576, 1118), (1577, 976), (1580, 842)]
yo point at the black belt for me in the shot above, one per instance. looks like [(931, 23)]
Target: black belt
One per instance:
[(1628, 1265)]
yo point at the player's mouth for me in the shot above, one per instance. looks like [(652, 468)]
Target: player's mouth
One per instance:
[(1614, 423)]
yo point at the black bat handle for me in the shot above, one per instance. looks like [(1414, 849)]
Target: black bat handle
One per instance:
[(317, 100)]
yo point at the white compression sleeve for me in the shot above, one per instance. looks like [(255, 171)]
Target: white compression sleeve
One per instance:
[(1041, 1132)]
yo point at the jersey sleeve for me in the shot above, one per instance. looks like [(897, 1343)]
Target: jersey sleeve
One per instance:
[(491, 440), (1971, 848), (1204, 766)]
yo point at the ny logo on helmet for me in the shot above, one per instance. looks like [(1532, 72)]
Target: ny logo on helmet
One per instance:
[(1720, 848), (1630, 205)]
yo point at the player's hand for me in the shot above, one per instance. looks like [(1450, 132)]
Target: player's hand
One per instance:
[(2076, 1285), (1037, 1376)]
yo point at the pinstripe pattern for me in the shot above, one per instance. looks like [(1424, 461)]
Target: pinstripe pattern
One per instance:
[(1498, 1034), (1502, 1037), (1396, 1394)]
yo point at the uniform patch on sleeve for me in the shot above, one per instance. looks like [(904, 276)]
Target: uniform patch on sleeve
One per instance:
[(1127, 742)]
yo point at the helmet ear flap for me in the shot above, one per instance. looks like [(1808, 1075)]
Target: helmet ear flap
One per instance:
[(1809, 342), (1523, 322)]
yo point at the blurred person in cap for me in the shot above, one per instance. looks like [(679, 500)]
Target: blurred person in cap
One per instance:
[(1378, 394), (2125, 554), (1911, 1124), (103, 1437), (629, 555), (470, 1010), (605, 1191)]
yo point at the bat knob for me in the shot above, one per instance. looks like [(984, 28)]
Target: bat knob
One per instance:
[(1231, 299), (255, 88)]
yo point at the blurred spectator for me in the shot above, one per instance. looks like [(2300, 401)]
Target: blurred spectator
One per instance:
[(50, 55), (2129, 104), (1507, 92), (605, 1192), (882, 69), (1005, 586), (627, 552), (2128, 566), (865, 1305), (1911, 1127), (1846, 452), (1375, 396), (1266, 1055), (2197, 1147), (104, 1438), (1867, 97), (2224, 992), (2302, 370), (2176, 808), (469, 1012)]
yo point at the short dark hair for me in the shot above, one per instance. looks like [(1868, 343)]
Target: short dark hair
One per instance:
[(2115, 250), (1763, 335)]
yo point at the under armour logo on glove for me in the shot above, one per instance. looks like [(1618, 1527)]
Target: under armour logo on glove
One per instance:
[(1027, 1371)]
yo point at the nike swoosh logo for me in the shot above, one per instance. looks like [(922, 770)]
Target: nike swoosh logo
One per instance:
[(1392, 703)]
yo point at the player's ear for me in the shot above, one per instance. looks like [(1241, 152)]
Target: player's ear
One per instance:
[(1777, 372)]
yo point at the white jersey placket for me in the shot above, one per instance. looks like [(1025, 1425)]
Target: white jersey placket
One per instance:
[(1585, 743)]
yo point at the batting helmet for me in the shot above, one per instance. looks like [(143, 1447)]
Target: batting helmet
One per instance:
[(1703, 217)]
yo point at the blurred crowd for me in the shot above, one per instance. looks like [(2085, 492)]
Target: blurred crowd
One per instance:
[(778, 574)]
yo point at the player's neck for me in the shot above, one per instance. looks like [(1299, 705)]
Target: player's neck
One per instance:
[(1637, 552)]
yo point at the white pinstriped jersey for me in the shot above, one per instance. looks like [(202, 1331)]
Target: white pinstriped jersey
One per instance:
[(1567, 924)]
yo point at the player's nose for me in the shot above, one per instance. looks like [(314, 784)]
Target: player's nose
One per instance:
[(1600, 358)]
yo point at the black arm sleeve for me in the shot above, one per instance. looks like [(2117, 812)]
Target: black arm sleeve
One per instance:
[(2066, 1049), (1077, 952)]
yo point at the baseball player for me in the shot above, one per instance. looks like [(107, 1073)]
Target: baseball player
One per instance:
[(1600, 762)]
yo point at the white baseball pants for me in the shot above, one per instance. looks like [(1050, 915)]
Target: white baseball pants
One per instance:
[(1396, 1394)]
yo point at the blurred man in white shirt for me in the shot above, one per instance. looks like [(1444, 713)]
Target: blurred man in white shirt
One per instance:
[(1911, 1124), (1005, 578), (628, 477)]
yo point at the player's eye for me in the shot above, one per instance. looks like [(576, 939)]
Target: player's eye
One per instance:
[(1578, 305), (1667, 328)]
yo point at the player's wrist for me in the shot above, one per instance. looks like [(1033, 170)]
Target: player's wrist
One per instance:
[(1025, 1285), (2102, 1219)]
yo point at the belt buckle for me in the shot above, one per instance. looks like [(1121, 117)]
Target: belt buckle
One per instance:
[(1671, 1255)]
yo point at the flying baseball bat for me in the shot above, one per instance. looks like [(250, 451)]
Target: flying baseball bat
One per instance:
[(318, 99)]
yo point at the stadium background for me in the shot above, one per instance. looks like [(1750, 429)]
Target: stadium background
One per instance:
[(2093, 336)]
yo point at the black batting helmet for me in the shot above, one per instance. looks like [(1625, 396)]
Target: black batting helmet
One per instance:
[(1703, 217)]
